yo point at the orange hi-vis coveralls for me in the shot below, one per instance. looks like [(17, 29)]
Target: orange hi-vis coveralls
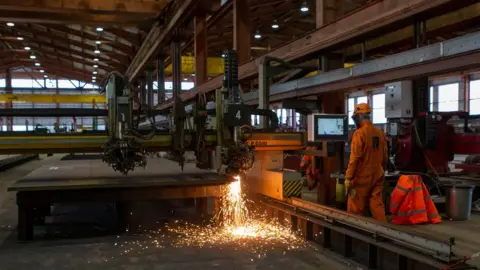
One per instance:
[(410, 202), (312, 174), (366, 170)]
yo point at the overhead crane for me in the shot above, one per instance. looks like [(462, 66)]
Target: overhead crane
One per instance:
[(57, 98)]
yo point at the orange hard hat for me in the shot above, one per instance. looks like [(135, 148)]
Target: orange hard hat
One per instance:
[(362, 108)]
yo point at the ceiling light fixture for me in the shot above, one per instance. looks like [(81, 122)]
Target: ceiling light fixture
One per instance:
[(185, 79), (98, 42), (11, 24), (42, 71), (33, 57), (27, 48), (94, 72), (257, 35), (99, 29), (193, 74), (93, 81), (45, 76), (223, 55), (97, 51), (304, 7), (37, 64), (93, 78), (20, 38), (95, 59), (95, 66), (275, 25)]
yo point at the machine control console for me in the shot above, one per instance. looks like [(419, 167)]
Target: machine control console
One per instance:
[(327, 127)]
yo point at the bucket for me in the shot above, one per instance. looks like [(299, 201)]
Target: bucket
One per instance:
[(458, 202)]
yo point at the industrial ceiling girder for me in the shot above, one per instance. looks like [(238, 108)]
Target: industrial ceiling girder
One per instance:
[(368, 21), (213, 20), (158, 35), (80, 11), (124, 49), (58, 39), (452, 55), (86, 59)]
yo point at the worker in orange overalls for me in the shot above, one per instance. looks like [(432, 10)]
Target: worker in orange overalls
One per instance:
[(311, 174), (410, 202), (366, 169)]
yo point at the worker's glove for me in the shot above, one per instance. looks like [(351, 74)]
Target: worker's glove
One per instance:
[(348, 186)]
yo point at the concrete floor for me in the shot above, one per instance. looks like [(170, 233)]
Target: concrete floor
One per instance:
[(108, 252)]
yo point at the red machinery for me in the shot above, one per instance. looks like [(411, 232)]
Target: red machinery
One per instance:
[(429, 144)]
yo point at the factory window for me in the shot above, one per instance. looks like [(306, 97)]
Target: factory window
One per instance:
[(351, 106), (255, 120), (67, 84), (2, 82), (169, 85), (26, 83), (431, 98), (282, 116), (448, 97), (378, 109), (352, 102), (51, 83), (474, 97), (88, 86)]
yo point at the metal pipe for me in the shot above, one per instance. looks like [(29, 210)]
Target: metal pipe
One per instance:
[(364, 52), (150, 88), (176, 69), (417, 33), (161, 79)]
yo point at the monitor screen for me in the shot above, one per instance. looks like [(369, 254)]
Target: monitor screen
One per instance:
[(330, 126), (323, 127)]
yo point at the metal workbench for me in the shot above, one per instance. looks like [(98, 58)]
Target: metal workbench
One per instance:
[(77, 181)]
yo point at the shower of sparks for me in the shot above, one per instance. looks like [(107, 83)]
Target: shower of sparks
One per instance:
[(234, 226)]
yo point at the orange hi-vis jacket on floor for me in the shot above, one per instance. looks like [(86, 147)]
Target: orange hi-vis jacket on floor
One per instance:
[(410, 202), (366, 170)]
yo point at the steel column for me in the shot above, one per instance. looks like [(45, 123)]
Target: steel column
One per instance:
[(161, 79), (8, 86), (326, 12), (149, 95), (242, 31), (364, 52), (201, 49), (141, 91), (176, 69)]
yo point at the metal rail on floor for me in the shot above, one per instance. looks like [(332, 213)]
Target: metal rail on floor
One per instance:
[(362, 240)]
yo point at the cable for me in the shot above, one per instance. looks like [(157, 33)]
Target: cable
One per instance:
[(426, 158)]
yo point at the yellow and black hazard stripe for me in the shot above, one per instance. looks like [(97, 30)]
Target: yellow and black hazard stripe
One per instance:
[(292, 188)]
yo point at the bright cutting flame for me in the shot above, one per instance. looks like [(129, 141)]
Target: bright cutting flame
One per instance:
[(233, 209), (245, 230)]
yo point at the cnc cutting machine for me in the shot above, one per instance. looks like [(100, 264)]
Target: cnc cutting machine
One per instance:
[(229, 148)]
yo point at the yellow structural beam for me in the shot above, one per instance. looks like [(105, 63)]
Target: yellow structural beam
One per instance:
[(52, 98), (214, 65), (314, 73)]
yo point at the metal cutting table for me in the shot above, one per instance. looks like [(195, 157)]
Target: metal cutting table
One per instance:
[(77, 181)]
